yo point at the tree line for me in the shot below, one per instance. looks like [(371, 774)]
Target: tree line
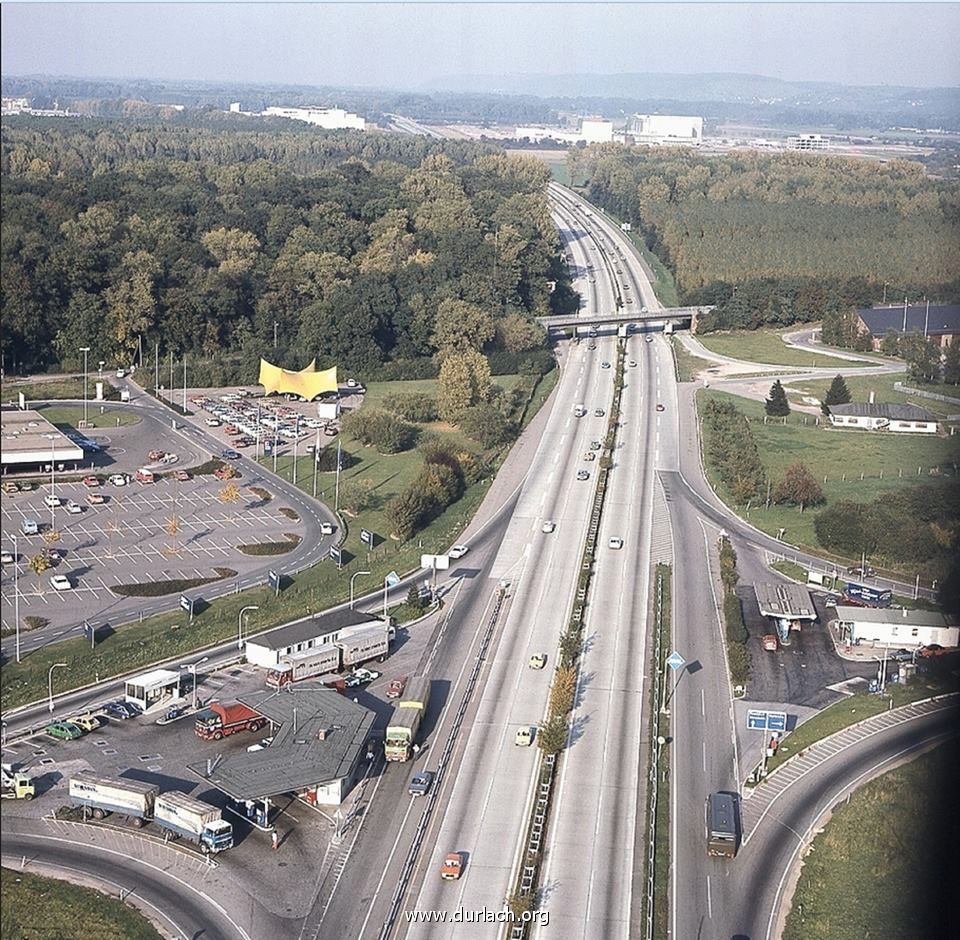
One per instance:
[(785, 238), (229, 246)]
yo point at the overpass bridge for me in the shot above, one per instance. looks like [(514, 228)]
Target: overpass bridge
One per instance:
[(678, 316)]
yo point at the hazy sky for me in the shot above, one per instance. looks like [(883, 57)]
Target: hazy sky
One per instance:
[(410, 44)]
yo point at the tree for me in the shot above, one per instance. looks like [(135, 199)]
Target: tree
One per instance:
[(40, 563), (777, 405), (552, 734), (922, 357), (414, 599), (798, 487), (951, 364), (890, 344), (355, 495), (464, 381), (408, 512), (460, 327), (487, 425), (837, 394)]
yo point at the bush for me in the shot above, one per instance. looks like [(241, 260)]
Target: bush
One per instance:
[(738, 656), (487, 425), (733, 617), (414, 406), (409, 512), (530, 362), (380, 429)]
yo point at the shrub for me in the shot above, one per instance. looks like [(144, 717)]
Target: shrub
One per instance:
[(380, 429), (414, 406), (487, 425)]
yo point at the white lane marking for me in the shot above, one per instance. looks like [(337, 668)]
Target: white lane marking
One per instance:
[(703, 745), (703, 704), (709, 900)]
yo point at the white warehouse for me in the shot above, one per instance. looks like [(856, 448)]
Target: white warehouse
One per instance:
[(665, 129), (895, 628), (329, 118)]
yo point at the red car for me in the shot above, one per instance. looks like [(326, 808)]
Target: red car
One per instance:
[(156, 455), (452, 866), (91, 482), (396, 687), (182, 476)]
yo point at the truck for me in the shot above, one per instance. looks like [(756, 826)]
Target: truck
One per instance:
[(363, 643), (17, 784), (722, 832), (306, 664), (201, 823), (218, 720), (862, 595), (105, 795), (402, 729)]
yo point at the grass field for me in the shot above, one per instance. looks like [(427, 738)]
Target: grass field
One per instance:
[(35, 908), (767, 346), (688, 366), (882, 387), (837, 459), (883, 864), (71, 386), (68, 417)]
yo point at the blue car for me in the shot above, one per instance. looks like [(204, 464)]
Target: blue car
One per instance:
[(120, 710), (230, 455)]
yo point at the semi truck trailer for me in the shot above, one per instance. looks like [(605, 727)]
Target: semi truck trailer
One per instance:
[(195, 820), (104, 795), (307, 664), (402, 731)]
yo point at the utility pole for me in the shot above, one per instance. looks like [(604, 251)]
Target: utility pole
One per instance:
[(85, 350)]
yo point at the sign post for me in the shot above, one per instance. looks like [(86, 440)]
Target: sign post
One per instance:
[(186, 603), (337, 555), (388, 582), (274, 579), (676, 662), (773, 723)]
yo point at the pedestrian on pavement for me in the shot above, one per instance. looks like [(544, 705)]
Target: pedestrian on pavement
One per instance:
[(276, 839)]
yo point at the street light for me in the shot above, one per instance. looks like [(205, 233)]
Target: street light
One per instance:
[(16, 592), (243, 610), (193, 670), (50, 681), (84, 350), (53, 440), (354, 575), (276, 323)]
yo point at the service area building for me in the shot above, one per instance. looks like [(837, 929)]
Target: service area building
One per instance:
[(895, 628), (789, 606), (152, 688), (267, 649), (319, 751), (30, 442)]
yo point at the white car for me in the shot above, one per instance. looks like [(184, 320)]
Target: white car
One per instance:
[(60, 582), (51, 500), (548, 526), (326, 528), (458, 551), (367, 675), (616, 542), (7, 558), (118, 479), (74, 508), (120, 373), (524, 736)]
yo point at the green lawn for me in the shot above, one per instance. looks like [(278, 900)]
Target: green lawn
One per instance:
[(884, 863), (35, 908), (68, 417), (688, 366), (70, 386), (767, 346), (837, 459), (882, 386)]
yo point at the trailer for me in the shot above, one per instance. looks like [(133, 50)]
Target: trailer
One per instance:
[(403, 727), (361, 644), (862, 595), (105, 795), (722, 830), (218, 721), (201, 823), (307, 664)]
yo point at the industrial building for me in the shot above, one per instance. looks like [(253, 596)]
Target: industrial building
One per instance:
[(664, 130), (808, 142), (592, 130), (895, 627), (327, 118), (939, 322), (32, 443)]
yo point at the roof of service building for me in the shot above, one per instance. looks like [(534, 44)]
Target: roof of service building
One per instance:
[(869, 409), (158, 677), (321, 735), (311, 628), (785, 600), (909, 618), (940, 320)]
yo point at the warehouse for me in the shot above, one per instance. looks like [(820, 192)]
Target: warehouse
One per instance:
[(895, 627), (31, 443)]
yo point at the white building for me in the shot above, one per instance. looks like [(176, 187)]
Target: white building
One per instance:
[(596, 130), (808, 142), (877, 416), (311, 633), (592, 130), (895, 628), (328, 118), (665, 129)]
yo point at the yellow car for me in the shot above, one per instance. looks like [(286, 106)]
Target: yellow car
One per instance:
[(86, 722)]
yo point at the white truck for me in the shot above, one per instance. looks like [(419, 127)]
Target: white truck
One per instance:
[(361, 644), (17, 785), (104, 795), (201, 823), (307, 664)]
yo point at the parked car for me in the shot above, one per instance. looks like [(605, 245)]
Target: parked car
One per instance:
[(63, 730), (52, 500), (420, 783), (181, 475), (120, 710), (60, 582), (902, 656), (396, 687), (458, 551), (87, 722), (7, 558), (74, 508), (367, 675), (10, 488), (119, 479), (96, 499), (91, 482), (156, 455)]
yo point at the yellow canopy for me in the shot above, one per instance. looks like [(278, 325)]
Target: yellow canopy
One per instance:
[(307, 383)]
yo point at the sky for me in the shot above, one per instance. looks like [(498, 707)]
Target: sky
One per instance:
[(412, 45)]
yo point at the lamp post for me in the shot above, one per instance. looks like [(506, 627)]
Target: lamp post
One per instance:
[(53, 440), (50, 681), (276, 323), (84, 350), (193, 671), (356, 574), (243, 610), (16, 593)]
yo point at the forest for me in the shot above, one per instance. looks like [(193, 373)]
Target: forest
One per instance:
[(785, 238), (360, 250)]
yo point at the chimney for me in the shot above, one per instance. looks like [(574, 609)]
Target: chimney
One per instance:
[(322, 734)]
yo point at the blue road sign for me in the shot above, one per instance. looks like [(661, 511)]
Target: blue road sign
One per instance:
[(756, 720), (776, 721), (675, 660), (391, 579)]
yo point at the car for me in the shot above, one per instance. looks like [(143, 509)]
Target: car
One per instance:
[(7, 558), (592, 346), (121, 373), (420, 783), (353, 383), (548, 526), (63, 730), (213, 422), (326, 528), (594, 331), (224, 473), (29, 527), (615, 542), (330, 431), (91, 482), (241, 442), (649, 338), (60, 582), (538, 660), (96, 499), (590, 455), (52, 555), (119, 479), (831, 600), (659, 407), (156, 455), (604, 365), (117, 710), (524, 736), (229, 454), (583, 474), (396, 687), (366, 675), (26, 486), (598, 412), (10, 488), (902, 656), (87, 722), (52, 500), (595, 445), (73, 508), (352, 681), (866, 572), (632, 363), (452, 867), (458, 551), (181, 476), (931, 650)]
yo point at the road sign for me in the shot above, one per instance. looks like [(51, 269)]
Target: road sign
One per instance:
[(776, 721), (186, 603), (366, 536), (435, 562), (391, 579), (274, 578), (756, 720), (335, 553), (675, 660)]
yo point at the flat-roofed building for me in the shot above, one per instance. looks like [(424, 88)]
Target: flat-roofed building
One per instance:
[(30, 442), (896, 627)]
